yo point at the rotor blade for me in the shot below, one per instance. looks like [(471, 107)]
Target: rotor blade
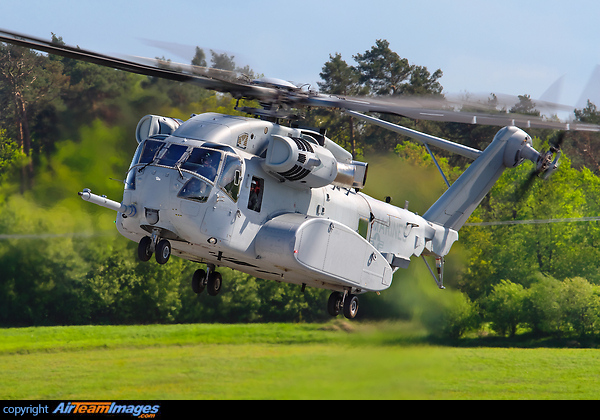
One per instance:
[(188, 69), (238, 90), (591, 89), (89, 56), (422, 137), (559, 140), (526, 185), (416, 108), (423, 109), (183, 51), (500, 103), (536, 221)]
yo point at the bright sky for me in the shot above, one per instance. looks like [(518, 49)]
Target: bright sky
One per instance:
[(508, 46)]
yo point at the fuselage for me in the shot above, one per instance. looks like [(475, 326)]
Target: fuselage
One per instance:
[(205, 188)]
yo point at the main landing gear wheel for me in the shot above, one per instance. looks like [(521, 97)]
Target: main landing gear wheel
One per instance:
[(163, 251), (198, 281), (334, 304), (338, 302), (213, 282), (350, 306)]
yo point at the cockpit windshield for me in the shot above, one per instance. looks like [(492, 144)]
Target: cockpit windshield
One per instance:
[(172, 155), (150, 150), (201, 161), (204, 162)]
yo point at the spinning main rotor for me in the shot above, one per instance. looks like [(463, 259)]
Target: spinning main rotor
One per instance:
[(281, 99)]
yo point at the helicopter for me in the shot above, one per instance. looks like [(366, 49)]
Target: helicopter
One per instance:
[(282, 202)]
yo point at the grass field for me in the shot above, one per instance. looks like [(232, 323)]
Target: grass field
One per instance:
[(280, 361)]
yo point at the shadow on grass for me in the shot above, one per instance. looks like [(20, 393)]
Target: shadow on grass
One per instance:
[(410, 333), (525, 340)]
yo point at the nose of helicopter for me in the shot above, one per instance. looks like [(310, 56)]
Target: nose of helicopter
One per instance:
[(155, 191)]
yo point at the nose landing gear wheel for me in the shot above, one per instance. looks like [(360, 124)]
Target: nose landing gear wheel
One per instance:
[(163, 251), (144, 249)]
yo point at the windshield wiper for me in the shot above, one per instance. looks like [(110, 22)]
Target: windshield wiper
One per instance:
[(179, 170)]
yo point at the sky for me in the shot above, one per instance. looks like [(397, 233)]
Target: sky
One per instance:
[(511, 47)]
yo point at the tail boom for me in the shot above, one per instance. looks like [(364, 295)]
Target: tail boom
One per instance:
[(509, 148)]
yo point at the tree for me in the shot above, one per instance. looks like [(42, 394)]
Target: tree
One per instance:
[(520, 252), (589, 114), (584, 147), (581, 306), (10, 155), (383, 70), (544, 313), (525, 106), (222, 61), (504, 307), (199, 58), (26, 79), (452, 318), (424, 83), (93, 91), (341, 79)]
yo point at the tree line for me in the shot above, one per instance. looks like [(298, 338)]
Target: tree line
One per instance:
[(66, 124)]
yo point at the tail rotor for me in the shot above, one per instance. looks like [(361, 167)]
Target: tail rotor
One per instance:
[(546, 163)]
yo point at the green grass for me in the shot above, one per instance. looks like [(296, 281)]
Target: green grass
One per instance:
[(279, 361)]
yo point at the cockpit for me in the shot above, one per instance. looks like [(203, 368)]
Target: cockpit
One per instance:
[(211, 165)]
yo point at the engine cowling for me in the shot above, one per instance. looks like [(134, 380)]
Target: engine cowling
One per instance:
[(306, 164), (150, 125)]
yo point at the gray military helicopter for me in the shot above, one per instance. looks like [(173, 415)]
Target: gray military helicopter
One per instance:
[(282, 202)]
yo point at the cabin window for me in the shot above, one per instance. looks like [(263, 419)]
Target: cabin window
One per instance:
[(204, 162), (256, 194), (363, 227), (231, 177), (196, 190)]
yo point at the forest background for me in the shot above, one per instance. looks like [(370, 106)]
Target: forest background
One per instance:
[(66, 125)]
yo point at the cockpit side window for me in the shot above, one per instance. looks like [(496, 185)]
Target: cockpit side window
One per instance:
[(144, 154), (204, 162), (130, 180), (232, 176)]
